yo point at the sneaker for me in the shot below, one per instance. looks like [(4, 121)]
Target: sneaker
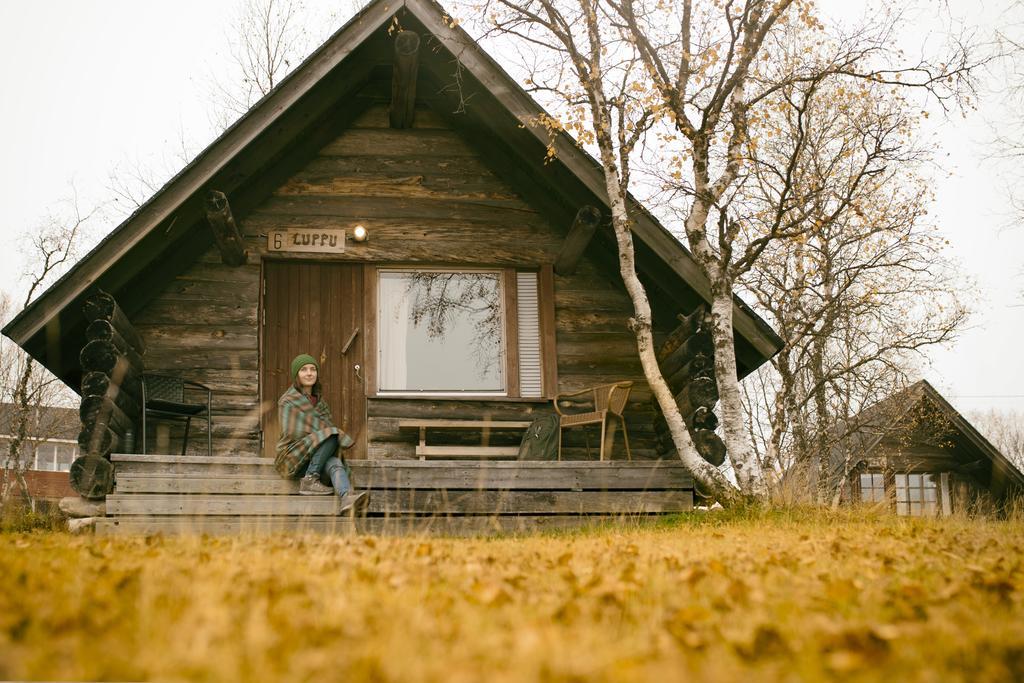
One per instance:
[(354, 503), (311, 486)]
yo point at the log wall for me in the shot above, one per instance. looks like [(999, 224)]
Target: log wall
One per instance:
[(426, 197)]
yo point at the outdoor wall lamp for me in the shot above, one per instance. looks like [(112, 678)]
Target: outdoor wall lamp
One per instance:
[(359, 233)]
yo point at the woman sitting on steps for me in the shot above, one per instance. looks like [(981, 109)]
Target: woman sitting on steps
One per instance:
[(309, 443)]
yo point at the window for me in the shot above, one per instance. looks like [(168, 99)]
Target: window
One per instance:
[(468, 332), (916, 495), (872, 487)]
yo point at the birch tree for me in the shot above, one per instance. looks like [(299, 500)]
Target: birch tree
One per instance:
[(694, 89), (858, 298), (24, 384)]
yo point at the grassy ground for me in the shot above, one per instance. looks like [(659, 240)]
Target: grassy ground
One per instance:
[(783, 596)]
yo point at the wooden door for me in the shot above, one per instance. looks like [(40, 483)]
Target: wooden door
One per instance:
[(314, 308)]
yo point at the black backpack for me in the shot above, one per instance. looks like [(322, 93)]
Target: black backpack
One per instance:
[(541, 439)]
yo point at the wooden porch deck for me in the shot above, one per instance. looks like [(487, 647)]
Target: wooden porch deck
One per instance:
[(231, 495)]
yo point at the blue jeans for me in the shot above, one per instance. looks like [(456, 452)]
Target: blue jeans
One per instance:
[(328, 468)]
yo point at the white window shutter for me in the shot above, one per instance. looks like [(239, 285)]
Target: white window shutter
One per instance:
[(530, 361)]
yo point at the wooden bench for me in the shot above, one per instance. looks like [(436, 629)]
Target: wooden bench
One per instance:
[(484, 450)]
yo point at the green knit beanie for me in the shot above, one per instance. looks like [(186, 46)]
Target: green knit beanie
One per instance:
[(300, 360)]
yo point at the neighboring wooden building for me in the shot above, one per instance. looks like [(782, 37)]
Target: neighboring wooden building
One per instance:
[(915, 453), (480, 289)]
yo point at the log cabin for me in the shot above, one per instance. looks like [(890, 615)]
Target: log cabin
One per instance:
[(915, 454), (391, 209)]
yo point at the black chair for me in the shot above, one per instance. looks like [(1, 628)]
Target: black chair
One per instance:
[(163, 398)]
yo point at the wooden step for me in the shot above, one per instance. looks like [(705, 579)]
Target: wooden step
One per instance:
[(433, 474), (174, 483), (396, 502), (379, 526)]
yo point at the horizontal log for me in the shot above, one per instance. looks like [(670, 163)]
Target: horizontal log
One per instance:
[(700, 365), (437, 172), (377, 115), (99, 411), (103, 356), (100, 354), (209, 270), (413, 186), (243, 290), (570, 320), (217, 335), (228, 382), (100, 384), (398, 143), (495, 211), (698, 321), (97, 440), (103, 330), (701, 392), (102, 306), (185, 361), (703, 418), (693, 346), (92, 476), (602, 299), (169, 311), (710, 446)]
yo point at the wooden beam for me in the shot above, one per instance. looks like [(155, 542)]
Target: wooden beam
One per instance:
[(403, 79), (582, 231), (225, 230)]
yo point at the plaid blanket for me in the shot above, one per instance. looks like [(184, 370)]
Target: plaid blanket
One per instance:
[(303, 428)]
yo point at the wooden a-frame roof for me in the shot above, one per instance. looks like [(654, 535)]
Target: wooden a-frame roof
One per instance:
[(285, 128)]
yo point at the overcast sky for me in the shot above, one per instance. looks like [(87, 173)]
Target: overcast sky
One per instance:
[(90, 85)]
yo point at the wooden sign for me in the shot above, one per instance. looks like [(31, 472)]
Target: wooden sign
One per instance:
[(308, 240)]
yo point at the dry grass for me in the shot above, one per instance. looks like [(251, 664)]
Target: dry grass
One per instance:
[(720, 598)]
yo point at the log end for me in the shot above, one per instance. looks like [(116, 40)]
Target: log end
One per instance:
[(407, 43), (92, 477), (216, 201), (710, 446)]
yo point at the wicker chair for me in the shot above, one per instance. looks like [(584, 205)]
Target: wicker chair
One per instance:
[(609, 402), (163, 398)]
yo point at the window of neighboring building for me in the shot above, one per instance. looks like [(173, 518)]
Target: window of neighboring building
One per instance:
[(441, 331), (916, 495), (872, 487)]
